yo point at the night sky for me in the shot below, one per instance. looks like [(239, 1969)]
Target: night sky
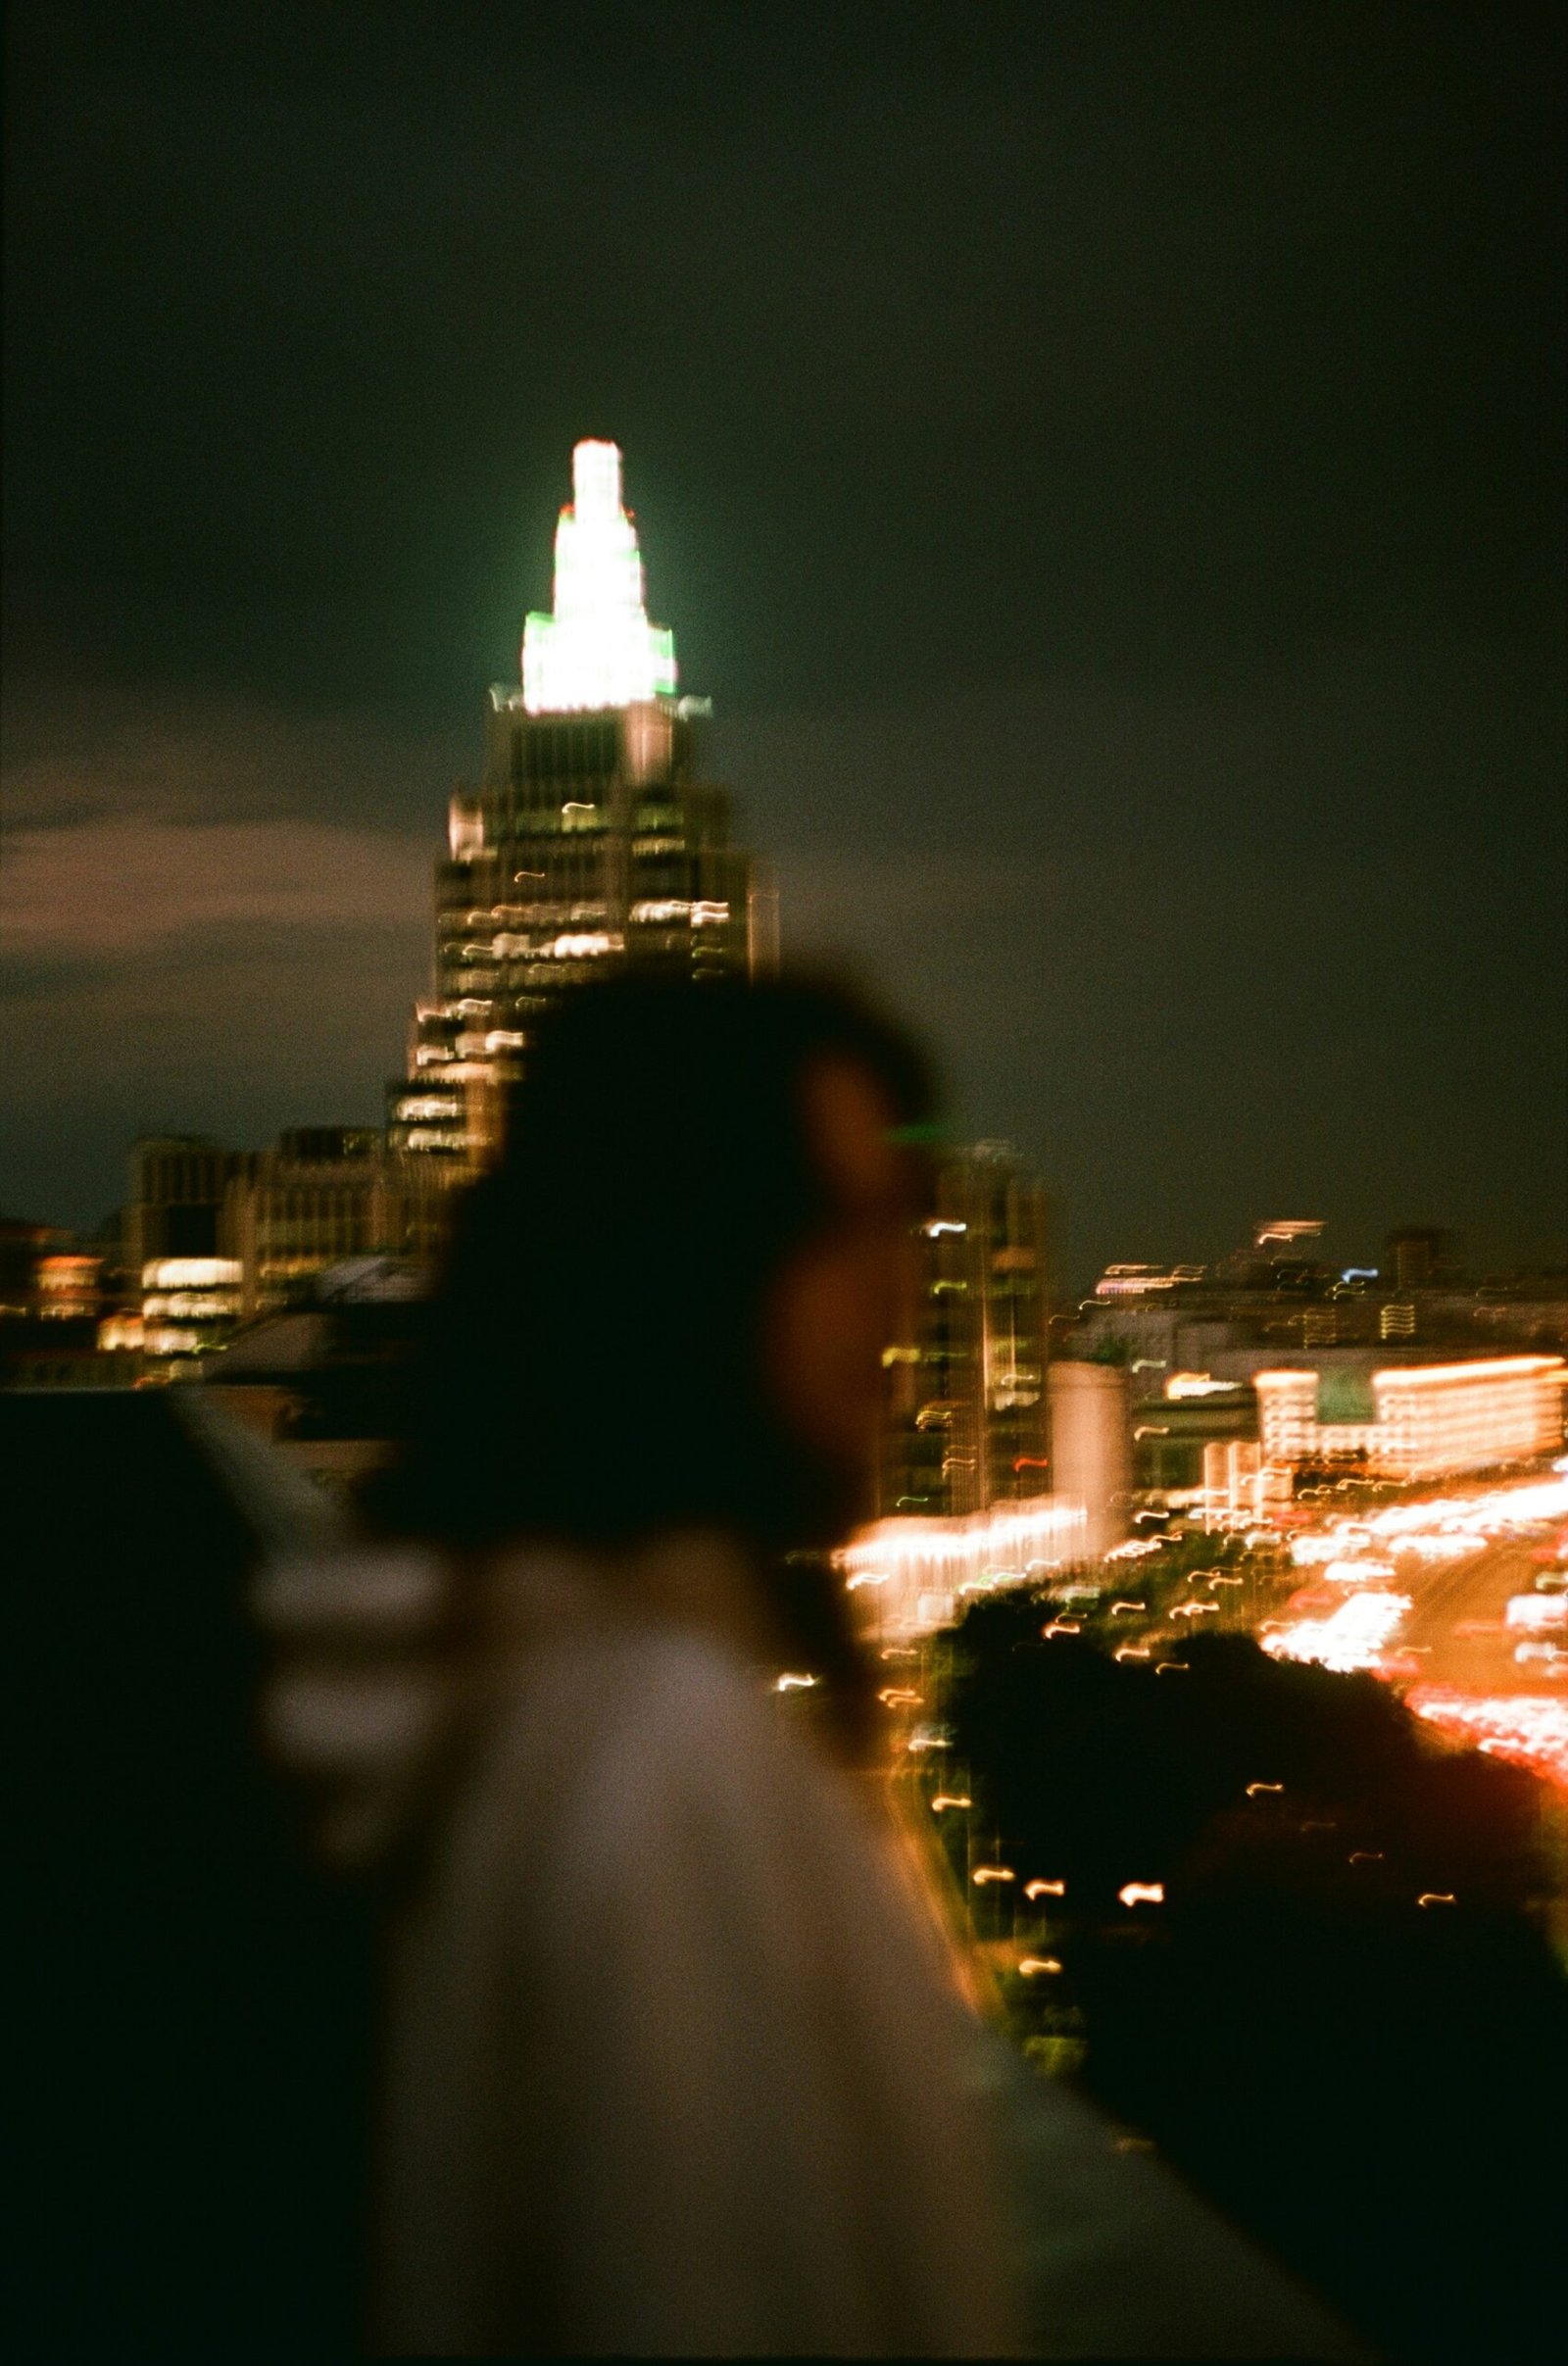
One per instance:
[(1105, 462)]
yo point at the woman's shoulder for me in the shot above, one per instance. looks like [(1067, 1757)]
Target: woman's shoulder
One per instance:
[(358, 1692)]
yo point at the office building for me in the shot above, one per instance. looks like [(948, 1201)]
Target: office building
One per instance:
[(257, 1227), (1174, 1434), (325, 1194), (1412, 1421), (190, 1307), (964, 1482), (1091, 1457), (177, 1187), (595, 836), (966, 1420), (69, 1284)]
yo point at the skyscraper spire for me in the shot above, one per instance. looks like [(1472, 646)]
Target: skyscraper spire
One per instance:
[(594, 838), (598, 649)]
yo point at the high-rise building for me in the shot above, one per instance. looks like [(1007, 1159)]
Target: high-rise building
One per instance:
[(594, 836), (1091, 1459), (1415, 1255), (966, 1424)]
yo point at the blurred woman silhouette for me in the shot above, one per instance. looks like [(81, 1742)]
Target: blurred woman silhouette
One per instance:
[(675, 2057), (674, 2062)]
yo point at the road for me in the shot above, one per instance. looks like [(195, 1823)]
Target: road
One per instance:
[(1450, 1652), (1473, 1593)]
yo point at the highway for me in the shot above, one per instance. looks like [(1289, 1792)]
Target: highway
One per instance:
[(1455, 1622), (1416, 1592)]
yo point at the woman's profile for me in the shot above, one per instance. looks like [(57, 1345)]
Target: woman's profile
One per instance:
[(672, 2060)]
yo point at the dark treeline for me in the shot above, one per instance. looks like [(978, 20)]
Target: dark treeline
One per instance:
[(1371, 2085)]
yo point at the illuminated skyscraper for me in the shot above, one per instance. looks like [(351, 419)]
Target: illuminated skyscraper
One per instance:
[(593, 838), (966, 1421)]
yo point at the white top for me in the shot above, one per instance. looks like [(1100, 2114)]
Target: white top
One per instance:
[(673, 2064)]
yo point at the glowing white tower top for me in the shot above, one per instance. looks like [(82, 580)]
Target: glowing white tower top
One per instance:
[(598, 649)]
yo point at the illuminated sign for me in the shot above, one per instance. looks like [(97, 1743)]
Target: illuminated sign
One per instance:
[(598, 649)]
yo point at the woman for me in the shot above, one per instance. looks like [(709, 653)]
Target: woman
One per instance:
[(673, 2058)]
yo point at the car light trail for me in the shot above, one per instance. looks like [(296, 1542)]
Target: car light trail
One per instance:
[(1351, 1638), (1521, 1728)]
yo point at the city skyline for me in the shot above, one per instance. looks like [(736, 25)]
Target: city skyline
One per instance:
[(1126, 581)]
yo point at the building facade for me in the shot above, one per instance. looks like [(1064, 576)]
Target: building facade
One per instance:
[(178, 1185), (325, 1194), (595, 837), (1413, 1421), (1091, 1449), (966, 1417)]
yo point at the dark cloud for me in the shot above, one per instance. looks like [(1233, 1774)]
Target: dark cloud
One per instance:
[(1260, 943), (235, 1031), (1105, 461)]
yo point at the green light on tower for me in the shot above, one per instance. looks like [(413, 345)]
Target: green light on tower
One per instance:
[(598, 649)]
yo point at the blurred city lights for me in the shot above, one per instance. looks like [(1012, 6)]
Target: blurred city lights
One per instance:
[(929, 1565), (1522, 1728), (1351, 1638), (1425, 1419)]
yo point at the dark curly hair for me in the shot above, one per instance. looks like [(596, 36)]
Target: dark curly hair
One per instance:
[(590, 1366)]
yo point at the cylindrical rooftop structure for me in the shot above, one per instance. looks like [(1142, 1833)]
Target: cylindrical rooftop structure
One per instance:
[(1091, 1449)]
